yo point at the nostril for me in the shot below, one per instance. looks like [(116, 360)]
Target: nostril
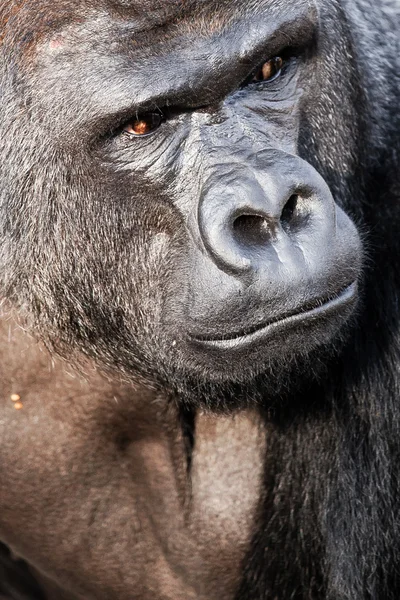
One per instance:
[(295, 213), (252, 230), (289, 211)]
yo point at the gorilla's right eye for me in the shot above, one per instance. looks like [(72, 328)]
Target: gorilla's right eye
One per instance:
[(144, 124)]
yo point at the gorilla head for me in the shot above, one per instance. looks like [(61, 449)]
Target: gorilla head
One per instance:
[(175, 180)]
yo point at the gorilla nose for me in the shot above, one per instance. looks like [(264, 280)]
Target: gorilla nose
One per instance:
[(243, 216)]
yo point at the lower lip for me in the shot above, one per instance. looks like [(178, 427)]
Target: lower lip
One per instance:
[(345, 298)]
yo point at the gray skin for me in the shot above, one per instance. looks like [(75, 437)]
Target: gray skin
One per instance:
[(209, 265)]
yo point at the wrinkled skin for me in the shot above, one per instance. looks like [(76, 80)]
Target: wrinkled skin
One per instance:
[(199, 270)]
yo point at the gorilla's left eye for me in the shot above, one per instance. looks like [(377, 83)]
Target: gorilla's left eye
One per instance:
[(144, 124), (269, 71)]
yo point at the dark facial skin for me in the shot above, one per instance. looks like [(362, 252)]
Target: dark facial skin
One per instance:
[(186, 193)]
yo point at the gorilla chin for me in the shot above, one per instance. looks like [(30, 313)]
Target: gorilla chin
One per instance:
[(306, 335)]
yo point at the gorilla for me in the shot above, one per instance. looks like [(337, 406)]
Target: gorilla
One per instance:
[(200, 286)]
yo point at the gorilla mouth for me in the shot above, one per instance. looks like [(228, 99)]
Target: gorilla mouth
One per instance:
[(311, 310)]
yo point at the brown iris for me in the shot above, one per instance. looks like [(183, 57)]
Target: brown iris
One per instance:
[(270, 69), (144, 124)]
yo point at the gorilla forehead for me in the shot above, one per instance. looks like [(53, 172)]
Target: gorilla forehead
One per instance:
[(175, 8), (146, 15), (141, 15)]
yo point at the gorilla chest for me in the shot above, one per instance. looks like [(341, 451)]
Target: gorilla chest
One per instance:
[(97, 499)]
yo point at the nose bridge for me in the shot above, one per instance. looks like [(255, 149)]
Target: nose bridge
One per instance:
[(260, 180), (235, 187), (254, 179)]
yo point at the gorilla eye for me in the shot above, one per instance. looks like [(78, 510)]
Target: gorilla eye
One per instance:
[(144, 124), (270, 70)]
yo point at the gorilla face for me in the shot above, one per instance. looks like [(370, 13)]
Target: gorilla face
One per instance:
[(175, 181)]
